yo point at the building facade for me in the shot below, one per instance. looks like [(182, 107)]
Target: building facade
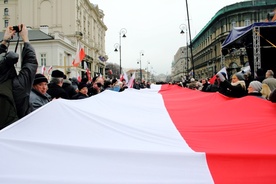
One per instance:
[(71, 22), (206, 46)]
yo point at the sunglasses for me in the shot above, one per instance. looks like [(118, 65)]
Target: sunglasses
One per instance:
[(99, 84)]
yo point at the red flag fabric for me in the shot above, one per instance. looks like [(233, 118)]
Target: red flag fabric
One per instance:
[(121, 77), (79, 56), (213, 79), (236, 134), (88, 73)]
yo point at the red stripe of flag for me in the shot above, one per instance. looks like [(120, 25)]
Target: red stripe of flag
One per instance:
[(237, 135)]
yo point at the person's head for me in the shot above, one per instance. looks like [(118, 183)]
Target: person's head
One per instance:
[(237, 77), (204, 81), (107, 84), (57, 77), (269, 73), (265, 91), (83, 88), (254, 86), (98, 84), (40, 83)]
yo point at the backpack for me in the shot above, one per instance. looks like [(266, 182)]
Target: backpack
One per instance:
[(8, 113)]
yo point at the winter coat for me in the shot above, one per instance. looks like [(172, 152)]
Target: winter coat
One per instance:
[(79, 95), (23, 82), (37, 99), (55, 91), (69, 89), (230, 90)]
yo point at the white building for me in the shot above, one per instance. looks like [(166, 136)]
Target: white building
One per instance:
[(56, 27)]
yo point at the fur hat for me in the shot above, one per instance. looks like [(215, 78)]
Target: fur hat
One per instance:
[(57, 74), (39, 78), (239, 76), (256, 85), (81, 85)]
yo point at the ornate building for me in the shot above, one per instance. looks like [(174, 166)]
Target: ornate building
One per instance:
[(207, 56), (68, 23)]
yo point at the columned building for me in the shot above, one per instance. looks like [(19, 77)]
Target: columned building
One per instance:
[(71, 22), (207, 56)]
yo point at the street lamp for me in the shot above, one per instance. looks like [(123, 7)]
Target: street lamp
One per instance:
[(141, 54), (191, 43), (182, 28), (117, 46)]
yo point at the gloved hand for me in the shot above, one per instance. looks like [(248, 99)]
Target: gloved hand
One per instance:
[(221, 77)]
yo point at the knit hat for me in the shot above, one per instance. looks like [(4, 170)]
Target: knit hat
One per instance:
[(82, 85), (39, 78), (256, 85), (239, 76), (57, 74)]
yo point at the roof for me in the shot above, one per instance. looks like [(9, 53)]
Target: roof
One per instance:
[(242, 36), (34, 35)]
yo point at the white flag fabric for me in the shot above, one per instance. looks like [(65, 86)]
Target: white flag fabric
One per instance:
[(166, 136)]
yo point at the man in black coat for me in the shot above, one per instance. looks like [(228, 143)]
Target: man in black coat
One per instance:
[(18, 84), (55, 86)]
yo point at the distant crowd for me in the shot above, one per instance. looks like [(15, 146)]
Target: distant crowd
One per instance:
[(238, 85)]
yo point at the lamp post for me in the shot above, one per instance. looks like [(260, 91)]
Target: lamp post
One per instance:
[(182, 28), (141, 54), (191, 43), (147, 70), (117, 46)]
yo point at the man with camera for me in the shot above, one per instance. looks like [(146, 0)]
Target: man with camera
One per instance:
[(15, 87)]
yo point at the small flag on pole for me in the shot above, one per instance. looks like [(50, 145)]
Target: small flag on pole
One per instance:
[(79, 56)]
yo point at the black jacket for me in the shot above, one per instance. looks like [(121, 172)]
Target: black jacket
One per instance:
[(23, 82), (55, 91)]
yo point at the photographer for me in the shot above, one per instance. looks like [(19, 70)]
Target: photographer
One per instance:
[(15, 88)]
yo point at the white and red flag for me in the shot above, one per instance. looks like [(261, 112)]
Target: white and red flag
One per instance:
[(168, 135), (124, 76), (212, 80), (49, 70), (43, 69), (80, 54), (131, 81)]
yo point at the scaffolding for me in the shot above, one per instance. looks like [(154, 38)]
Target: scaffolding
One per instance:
[(256, 49)]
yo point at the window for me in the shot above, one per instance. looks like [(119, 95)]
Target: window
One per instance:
[(43, 59), (233, 24), (247, 22), (6, 11), (6, 23), (6, 1)]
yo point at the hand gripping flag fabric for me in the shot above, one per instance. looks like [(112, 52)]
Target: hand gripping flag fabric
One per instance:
[(165, 135)]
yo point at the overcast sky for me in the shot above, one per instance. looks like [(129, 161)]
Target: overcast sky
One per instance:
[(153, 27)]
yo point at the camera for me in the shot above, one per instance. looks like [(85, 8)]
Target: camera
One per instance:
[(16, 28)]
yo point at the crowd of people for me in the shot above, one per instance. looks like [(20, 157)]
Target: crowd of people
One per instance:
[(239, 85), (24, 92)]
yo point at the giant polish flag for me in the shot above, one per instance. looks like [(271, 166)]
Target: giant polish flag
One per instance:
[(168, 135)]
